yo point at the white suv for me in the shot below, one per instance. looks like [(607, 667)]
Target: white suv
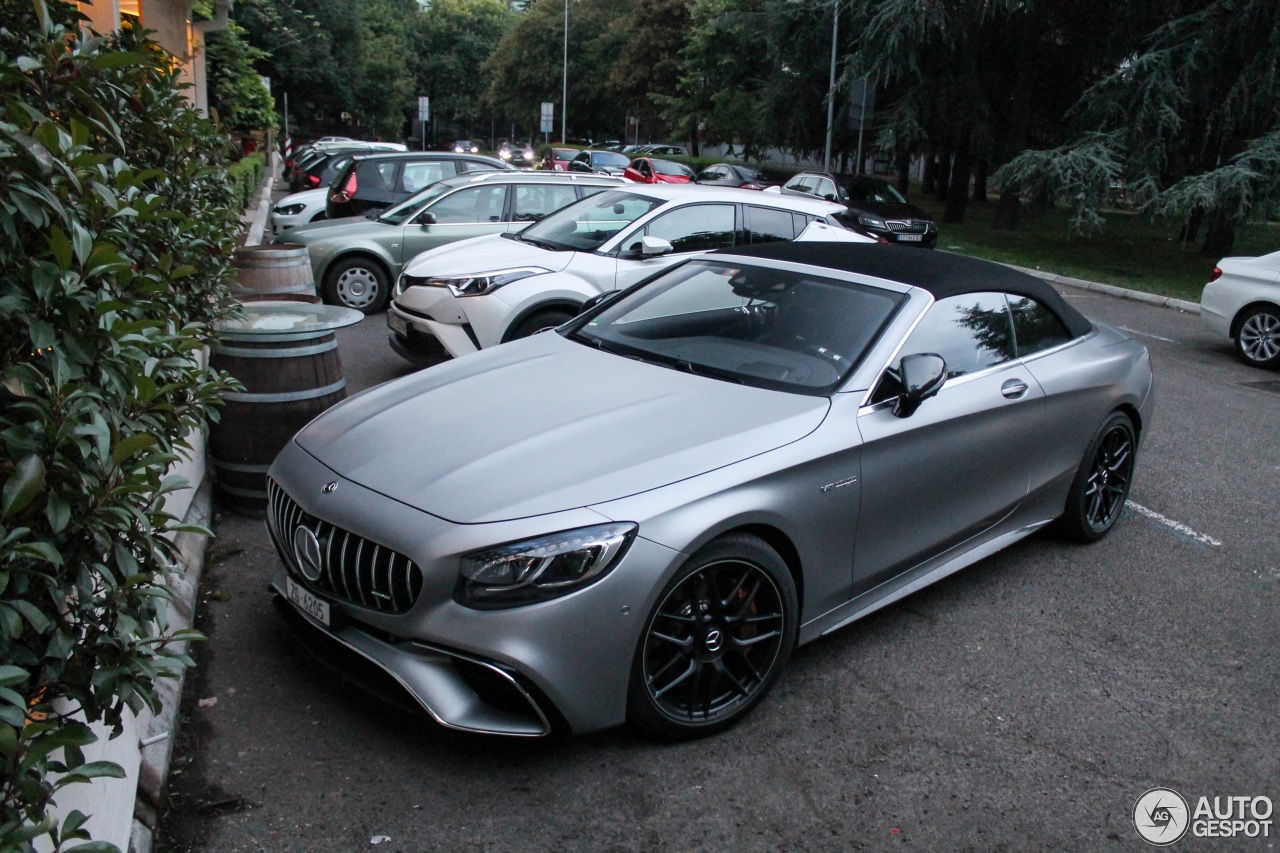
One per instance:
[(480, 292)]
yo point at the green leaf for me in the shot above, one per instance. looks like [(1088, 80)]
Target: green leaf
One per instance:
[(100, 769), (23, 485), (61, 247), (131, 445), (10, 674), (32, 614)]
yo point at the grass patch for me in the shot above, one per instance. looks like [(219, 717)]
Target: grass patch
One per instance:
[(1132, 251)]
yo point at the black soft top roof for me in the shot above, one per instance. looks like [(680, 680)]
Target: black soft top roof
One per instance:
[(941, 273)]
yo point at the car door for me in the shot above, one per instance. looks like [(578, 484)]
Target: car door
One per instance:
[(690, 228), (468, 212), (961, 462)]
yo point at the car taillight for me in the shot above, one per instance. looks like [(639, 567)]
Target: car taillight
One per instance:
[(347, 191), (314, 180), (750, 186), (1217, 274)]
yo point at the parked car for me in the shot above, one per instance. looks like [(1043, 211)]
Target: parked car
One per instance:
[(732, 175), (479, 293), (650, 170), (1242, 302), (298, 209), (465, 146), (377, 181), (517, 154), (356, 260), (601, 162), (638, 517), (874, 205), (324, 139), (556, 159), (666, 150)]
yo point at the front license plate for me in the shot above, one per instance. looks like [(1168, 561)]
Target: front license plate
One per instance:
[(397, 323), (910, 238), (308, 603)]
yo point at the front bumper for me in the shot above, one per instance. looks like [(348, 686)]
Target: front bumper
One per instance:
[(419, 337), (525, 671)]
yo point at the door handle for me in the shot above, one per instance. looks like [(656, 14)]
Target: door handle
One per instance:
[(1013, 388)]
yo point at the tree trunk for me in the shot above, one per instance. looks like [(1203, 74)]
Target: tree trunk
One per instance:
[(1006, 218), (1191, 228), (903, 164), (1221, 237), (944, 175), (958, 191), (930, 181), (981, 169)]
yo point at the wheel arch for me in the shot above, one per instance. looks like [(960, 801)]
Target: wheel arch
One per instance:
[(780, 542), (351, 254), (1238, 320), (556, 304)]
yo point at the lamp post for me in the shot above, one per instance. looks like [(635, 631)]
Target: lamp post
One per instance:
[(564, 77), (831, 84)]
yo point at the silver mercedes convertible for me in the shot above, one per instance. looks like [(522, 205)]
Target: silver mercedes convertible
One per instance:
[(638, 516)]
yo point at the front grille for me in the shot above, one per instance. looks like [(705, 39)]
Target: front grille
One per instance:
[(354, 569), (908, 226)]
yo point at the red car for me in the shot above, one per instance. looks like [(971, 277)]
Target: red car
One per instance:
[(557, 159), (648, 170)]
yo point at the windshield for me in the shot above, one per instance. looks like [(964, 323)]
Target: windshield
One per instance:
[(610, 158), (878, 192), (588, 224), (666, 167), (403, 212), (755, 325)]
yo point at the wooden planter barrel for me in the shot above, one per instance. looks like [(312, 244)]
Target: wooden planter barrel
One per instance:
[(290, 374), (275, 272)]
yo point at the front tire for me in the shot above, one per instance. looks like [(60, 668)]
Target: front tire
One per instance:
[(536, 323), (712, 647), (359, 283), (1258, 341), (1101, 486)]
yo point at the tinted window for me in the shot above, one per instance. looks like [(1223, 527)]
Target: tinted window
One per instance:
[(970, 332), (1035, 326), (386, 175), (695, 228), (767, 225), (534, 202), (474, 204), (419, 175)]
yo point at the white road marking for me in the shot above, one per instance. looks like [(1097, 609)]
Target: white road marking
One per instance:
[(1147, 334), (1169, 522)]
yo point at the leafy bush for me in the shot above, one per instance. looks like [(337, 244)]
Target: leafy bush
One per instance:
[(246, 176), (116, 226)]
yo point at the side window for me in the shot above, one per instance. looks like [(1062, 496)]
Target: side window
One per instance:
[(767, 225), (826, 188), (472, 166), (588, 191), (803, 185), (695, 228), (420, 175), (535, 202), (801, 221), (643, 168), (387, 174), (473, 204), (971, 332), (1035, 327)]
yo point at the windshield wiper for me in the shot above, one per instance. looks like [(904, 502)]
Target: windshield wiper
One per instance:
[(541, 244)]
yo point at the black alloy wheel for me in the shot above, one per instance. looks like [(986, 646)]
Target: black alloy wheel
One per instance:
[(713, 646), (1101, 486)]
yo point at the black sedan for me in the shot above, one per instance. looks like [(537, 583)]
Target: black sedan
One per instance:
[(875, 207)]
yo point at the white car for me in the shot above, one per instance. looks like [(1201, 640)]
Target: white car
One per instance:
[(298, 209), (1242, 302), (481, 292)]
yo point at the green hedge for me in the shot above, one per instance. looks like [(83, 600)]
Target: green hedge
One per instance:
[(117, 221), (246, 177)]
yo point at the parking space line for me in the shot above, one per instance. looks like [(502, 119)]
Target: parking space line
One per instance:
[(1146, 334), (1169, 522)]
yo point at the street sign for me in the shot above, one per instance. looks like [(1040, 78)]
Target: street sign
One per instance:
[(548, 116), (424, 108), (862, 104)]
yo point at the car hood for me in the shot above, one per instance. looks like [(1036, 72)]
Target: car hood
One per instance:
[(307, 197), (482, 254), (890, 210), (346, 228), (543, 425)]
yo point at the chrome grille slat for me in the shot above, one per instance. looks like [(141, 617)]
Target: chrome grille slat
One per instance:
[(907, 226), (352, 572)]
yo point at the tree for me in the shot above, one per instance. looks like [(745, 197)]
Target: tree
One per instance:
[(237, 93), (1190, 118), (451, 42), (648, 68)]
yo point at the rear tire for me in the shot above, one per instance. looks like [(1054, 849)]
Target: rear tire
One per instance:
[(359, 283), (721, 631), (1101, 487), (1258, 341), (538, 322)]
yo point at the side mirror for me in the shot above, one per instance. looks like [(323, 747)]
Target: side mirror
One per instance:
[(598, 299), (426, 219), (653, 246), (922, 376)]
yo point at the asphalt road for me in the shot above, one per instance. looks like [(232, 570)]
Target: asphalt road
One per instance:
[(1023, 704)]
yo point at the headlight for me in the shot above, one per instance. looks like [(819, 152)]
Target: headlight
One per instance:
[(480, 283), (505, 155), (542, 568), (872, 222), (290, 209)]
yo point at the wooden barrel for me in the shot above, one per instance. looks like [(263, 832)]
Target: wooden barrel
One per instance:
[(281, 271), (288, 379)]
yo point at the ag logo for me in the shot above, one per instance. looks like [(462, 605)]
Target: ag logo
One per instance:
[(1161, 816)]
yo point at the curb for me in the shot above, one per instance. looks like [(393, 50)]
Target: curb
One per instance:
[(1112, 290), (157, 742)]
